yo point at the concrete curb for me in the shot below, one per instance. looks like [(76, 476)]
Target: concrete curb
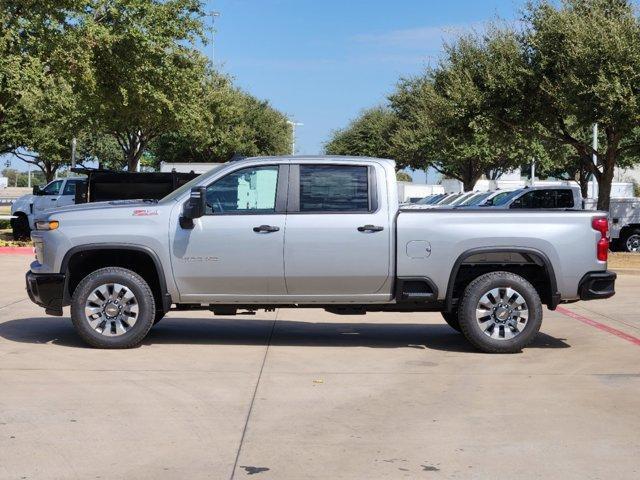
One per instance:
[(16, 250)]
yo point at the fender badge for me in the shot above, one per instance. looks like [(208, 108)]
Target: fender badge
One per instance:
[(144, 213)]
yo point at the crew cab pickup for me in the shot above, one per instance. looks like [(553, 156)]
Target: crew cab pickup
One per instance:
[(313, 232)]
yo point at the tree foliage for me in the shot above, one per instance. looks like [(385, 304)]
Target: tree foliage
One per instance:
[(574, 65), (229, 122), (367, 135), (505, 96), (126, 69)]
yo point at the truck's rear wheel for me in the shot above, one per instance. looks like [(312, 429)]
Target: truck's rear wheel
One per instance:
[(113, 308), (20, 227), (500, 312), (452, 319)]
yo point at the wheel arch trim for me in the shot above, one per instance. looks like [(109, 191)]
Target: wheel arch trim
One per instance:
[(162, 280), (536, 254)]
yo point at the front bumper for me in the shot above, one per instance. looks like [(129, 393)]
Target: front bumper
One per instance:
[(596, 285), (47, 291)]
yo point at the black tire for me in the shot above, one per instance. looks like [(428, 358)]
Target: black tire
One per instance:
[(452, 319), (20, 227), (144, 299), (469, 303), (630, 242)]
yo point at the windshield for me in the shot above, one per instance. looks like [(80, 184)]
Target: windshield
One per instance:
[(173, 196), (503, 198), (428, 200), (450, 199), (474, 199)]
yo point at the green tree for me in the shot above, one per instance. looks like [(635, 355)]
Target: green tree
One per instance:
[(441, 123), (230, 122), (368, 135), (137, 68), (99, 148), (575, 64), (402, 176)]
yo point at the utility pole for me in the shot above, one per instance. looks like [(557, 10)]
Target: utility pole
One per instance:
[(293, 134), (214, 15), (594, 144), (533, 172), (73, 152)]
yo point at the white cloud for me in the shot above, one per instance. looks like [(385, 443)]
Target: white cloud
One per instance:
[(429, 37)]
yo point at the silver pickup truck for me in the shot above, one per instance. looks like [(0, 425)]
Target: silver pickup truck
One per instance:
[(312, 232)]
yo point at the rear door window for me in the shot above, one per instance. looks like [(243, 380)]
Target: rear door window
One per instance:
[(334, 188), (70, 188)]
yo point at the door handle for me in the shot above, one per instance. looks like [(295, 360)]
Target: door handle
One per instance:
[(266, 229), (370, 228)]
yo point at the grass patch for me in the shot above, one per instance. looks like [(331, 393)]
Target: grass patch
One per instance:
[(6, 240), (624, 260)]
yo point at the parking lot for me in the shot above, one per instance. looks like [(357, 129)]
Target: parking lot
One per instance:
[(299, 394)]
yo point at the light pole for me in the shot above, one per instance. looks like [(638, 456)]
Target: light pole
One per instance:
[(293, 134), (214, 15), (594, 145)]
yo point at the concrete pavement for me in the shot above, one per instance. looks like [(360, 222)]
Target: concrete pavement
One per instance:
[(306, 394)]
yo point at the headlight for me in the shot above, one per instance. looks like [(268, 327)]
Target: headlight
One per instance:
[(47, 225), (39, 251)]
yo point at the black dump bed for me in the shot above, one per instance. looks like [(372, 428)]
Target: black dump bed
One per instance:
[(106, 185)]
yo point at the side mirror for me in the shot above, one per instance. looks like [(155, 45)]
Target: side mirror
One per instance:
[(194, 207), (36, 190)]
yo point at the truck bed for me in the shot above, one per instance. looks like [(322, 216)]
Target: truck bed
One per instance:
[(431, 241)]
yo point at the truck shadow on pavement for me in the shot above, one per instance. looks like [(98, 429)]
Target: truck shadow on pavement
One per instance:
[(240, 331)]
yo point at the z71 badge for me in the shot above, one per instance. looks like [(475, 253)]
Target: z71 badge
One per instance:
[(144, 213)]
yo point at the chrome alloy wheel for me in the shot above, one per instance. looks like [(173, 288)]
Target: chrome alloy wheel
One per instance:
[(502, 313), (111, 309), (633, 243)]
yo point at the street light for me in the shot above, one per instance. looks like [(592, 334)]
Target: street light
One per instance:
[(214, 14), (293, 134)]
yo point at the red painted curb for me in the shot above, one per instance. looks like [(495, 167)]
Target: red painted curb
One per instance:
[(16, 250), (599, 326)]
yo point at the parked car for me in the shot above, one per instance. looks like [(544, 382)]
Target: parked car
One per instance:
[(94, 185), (539, 198), (476, 199), (57, 193), (431, 199), (312, 232)]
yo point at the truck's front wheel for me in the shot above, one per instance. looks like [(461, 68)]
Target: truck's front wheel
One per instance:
[(113, 308), (20, 227), (500, 312)]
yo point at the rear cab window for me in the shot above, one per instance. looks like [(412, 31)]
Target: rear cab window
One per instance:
[(335, 188)]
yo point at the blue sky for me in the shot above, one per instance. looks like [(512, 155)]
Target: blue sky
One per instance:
[(322, 62)]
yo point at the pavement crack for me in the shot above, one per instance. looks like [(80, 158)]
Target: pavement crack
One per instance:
[(253, 397), (12, 303)]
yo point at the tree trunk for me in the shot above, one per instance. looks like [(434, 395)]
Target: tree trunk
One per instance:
[(49, 171), (133, 147), (468, 184), (583, 181), (605, 180)]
